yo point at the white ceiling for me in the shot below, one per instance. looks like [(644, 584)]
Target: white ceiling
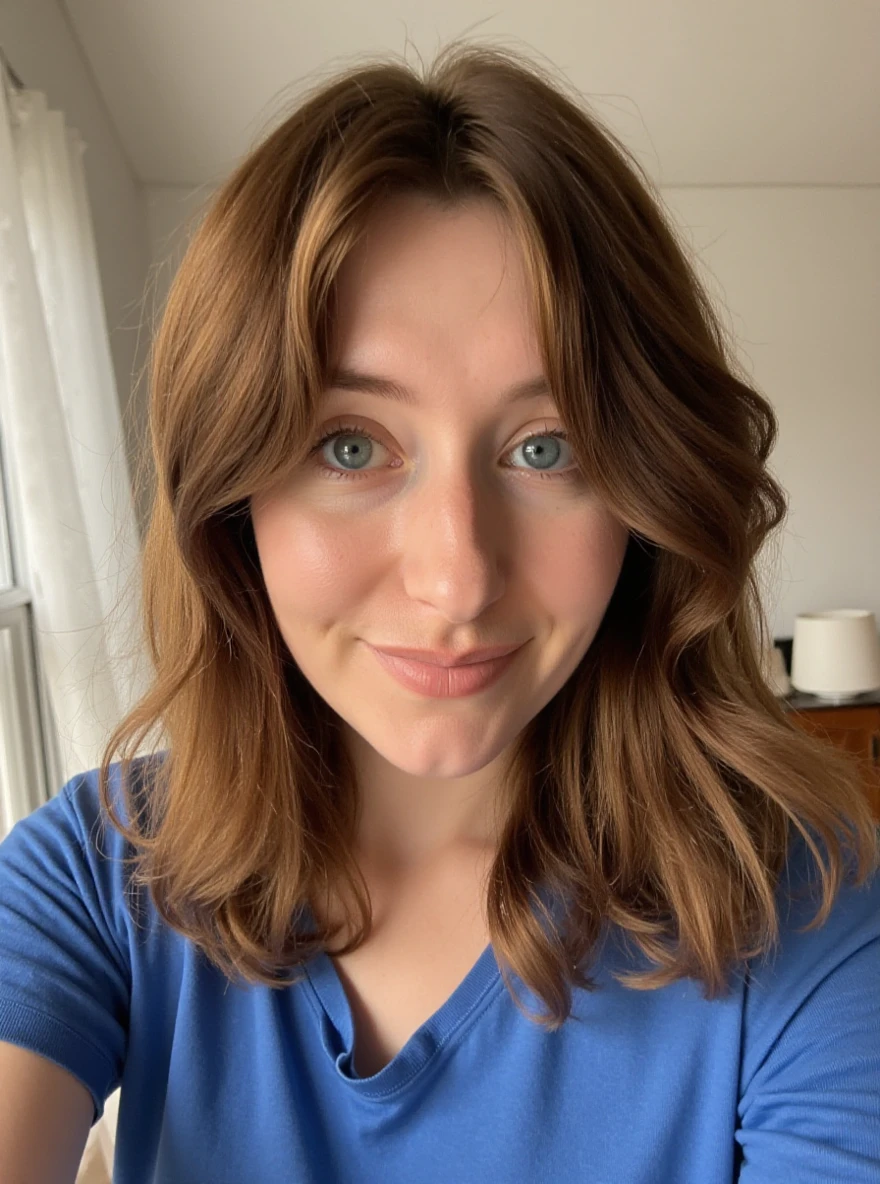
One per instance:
[(706, 92)]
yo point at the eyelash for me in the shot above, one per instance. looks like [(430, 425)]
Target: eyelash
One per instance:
[(354, 428)]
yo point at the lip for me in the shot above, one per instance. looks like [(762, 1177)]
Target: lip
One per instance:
[(446, 682), (446, 659)]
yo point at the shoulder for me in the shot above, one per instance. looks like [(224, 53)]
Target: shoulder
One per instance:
[(812, 969), (809, 1087), (68, 849), (853, 920), (81, 798)]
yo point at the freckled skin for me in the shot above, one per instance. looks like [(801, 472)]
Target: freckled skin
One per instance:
[(462, 544)]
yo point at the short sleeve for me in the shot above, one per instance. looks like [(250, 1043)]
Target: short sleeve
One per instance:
[(65, 978), (809, 1106)]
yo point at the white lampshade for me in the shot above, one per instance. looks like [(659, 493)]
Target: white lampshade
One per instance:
[(836, 655)]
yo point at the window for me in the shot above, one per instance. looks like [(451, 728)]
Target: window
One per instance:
[(29, 761)]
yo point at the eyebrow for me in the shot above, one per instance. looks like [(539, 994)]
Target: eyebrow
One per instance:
[(345, 379)]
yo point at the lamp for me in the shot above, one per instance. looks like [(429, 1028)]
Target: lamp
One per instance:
[(836, 655)]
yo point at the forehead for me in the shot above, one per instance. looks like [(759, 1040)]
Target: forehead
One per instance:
[(435, 280)]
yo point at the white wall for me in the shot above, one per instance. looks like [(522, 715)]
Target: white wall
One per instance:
[(39, 43), (795, 273), (171, 213), (798, 272)]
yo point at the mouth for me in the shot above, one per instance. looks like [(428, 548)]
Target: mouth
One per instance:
[(448, 659), (447, 681)]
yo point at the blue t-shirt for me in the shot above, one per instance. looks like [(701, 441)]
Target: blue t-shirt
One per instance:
[(778, 1081)]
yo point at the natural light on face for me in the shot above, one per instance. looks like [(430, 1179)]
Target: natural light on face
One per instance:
[(450, 516)]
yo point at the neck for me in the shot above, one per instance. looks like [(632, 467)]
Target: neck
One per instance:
[(408, 821)]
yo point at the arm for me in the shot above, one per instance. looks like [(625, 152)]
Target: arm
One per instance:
[(45, 1118), (64, 979)]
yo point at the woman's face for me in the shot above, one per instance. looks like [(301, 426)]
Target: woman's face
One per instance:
[(445, 517)]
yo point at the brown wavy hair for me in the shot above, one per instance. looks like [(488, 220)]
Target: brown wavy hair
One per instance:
[(660, 790)]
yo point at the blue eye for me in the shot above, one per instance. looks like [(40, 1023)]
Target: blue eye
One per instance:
[(352, 448), (544, 450), (352, 444)]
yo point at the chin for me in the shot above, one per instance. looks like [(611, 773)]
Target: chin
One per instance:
[(435, 749)]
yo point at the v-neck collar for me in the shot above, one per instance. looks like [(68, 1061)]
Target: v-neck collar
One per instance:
[(452, 1017), (469, 999)]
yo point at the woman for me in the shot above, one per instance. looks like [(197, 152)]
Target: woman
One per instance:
[(562, 895)]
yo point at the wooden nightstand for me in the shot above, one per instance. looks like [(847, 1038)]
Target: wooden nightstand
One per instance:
[(854, 726)]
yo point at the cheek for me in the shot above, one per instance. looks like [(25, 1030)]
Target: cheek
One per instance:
[(574, 565), (314, 566)]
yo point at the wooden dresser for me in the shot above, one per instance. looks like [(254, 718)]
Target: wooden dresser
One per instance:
[(854, 726)]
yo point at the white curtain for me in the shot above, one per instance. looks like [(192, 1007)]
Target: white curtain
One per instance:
[(60, 421)]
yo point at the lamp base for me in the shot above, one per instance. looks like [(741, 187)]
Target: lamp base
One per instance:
[(836, 698)]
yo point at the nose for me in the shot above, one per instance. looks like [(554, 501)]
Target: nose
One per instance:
[(453, 546)]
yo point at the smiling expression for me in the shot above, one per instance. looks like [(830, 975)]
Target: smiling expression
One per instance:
[(440, 507)]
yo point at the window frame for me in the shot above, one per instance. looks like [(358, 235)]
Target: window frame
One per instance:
[(33, 756)]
